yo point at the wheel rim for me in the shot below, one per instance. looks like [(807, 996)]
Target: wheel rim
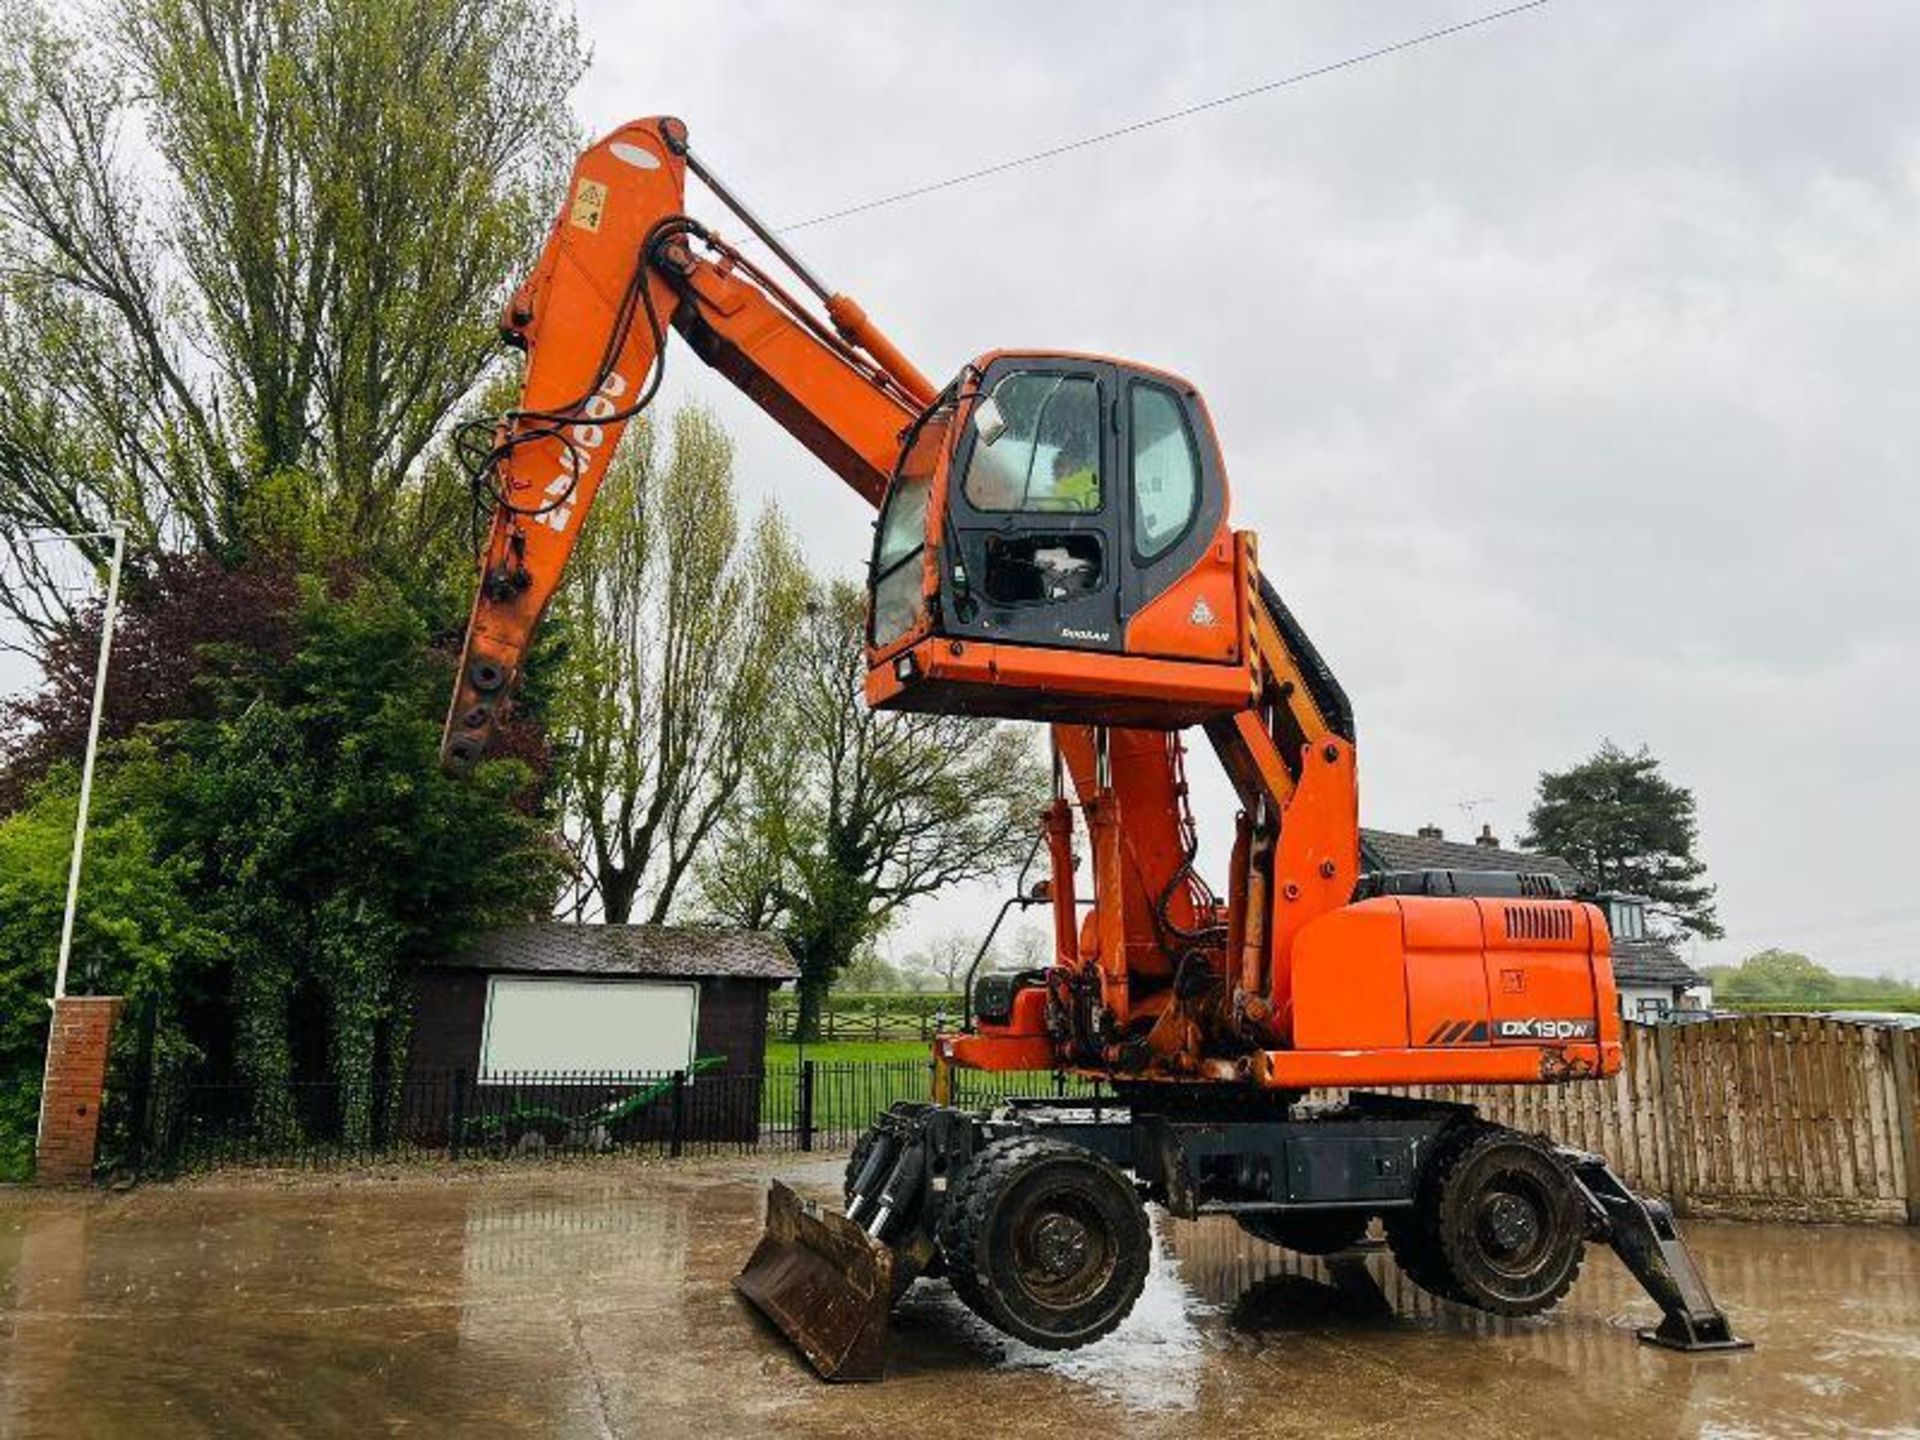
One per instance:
[(1511, 1223), (1063, 1251), (1514, 1236)]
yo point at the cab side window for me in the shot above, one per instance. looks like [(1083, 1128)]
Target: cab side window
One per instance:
[(1166, 469), (902, 538)]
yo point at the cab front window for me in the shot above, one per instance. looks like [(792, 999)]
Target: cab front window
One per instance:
[(1037, 450)]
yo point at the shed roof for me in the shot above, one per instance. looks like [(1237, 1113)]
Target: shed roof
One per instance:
[(682, 952), (1388, 850)]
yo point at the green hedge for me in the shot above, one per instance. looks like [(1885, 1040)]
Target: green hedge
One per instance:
[(894, 1001), (1903, 1005)]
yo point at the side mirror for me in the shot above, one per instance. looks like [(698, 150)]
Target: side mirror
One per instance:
[(988, 421)]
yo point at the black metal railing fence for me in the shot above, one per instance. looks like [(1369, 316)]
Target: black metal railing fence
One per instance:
[(178, 1123)]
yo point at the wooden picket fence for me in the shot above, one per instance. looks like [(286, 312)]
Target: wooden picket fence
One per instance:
[(874, 1016), (1760, 1117)]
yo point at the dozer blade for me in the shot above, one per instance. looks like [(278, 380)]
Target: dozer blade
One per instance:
[(828, 1287)]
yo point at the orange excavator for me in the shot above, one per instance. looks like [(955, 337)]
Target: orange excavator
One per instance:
[(1054, 544)]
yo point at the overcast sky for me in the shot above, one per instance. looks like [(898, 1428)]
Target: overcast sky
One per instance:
[(1565, 367)]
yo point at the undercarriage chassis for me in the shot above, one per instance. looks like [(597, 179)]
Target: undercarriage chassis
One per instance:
[(1034, 1212)]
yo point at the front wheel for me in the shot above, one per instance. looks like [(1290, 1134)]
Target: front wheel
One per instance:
[(1046, 1241)]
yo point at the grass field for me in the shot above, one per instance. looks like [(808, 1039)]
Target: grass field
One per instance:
[(856, 1079), (853, 1081), (868, 1052)]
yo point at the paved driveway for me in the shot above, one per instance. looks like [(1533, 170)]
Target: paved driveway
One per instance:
[(594, 1300)]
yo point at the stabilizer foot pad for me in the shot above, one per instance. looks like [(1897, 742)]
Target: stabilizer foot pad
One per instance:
[(1651, 1336)]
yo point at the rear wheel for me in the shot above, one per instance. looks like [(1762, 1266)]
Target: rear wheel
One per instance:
[(1511, 1225), (1498, 1225), (1046, 1241), (1309, 1232)]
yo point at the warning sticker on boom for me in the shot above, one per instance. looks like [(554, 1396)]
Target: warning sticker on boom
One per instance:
[(589, 204)]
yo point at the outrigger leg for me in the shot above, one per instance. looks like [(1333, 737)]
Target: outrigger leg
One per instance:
[(1642, 1234)]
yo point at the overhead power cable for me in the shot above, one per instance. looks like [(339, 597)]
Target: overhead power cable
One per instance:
[(1185, 112)]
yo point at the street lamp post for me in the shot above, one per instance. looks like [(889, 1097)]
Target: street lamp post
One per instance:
[(119, 534), (76, 1054)]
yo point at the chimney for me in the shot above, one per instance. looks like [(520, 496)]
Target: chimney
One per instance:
[(1430, 832), (1486, 839)]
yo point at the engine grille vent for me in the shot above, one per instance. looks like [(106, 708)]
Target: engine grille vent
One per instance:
[(1539, 922)]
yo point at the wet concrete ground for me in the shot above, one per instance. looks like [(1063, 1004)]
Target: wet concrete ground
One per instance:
[(595, 1301)]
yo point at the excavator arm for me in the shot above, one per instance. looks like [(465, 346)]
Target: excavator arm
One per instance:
[(622, 264)]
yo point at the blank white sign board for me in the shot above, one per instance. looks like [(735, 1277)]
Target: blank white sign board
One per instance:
[(540, 1023)]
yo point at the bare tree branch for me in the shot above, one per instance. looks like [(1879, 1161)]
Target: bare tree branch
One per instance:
[(676, 627)]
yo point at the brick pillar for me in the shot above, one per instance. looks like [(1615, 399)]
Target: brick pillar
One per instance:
[(72, 1089)]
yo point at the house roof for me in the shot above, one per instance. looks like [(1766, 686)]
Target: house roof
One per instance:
[(1652, 963), (1387, 850), (683, 952)]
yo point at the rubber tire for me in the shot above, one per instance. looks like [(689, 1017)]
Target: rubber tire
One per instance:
[(1307, 1232), (977, 1238), (1413, 1232), (1439, 1246), (1507, 1159)]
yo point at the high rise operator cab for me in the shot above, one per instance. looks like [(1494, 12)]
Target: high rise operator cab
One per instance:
[(1054, 545)]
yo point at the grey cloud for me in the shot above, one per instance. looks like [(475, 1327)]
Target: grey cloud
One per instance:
[(1564, 366)]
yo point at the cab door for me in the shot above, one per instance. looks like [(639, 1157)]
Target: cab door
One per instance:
[(1035, 546), (1179, 596)]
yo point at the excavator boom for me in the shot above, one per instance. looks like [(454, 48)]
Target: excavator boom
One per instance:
[(621, 266)]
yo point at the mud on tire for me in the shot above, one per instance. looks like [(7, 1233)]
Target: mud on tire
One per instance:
[(1497, 1224), (1046, 1241)]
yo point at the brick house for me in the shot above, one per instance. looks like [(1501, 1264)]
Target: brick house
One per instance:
[(1653, 980)]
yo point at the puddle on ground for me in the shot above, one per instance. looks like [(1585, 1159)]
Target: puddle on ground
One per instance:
[(1152, 1362), (597, 1302), (1223, 1313)]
